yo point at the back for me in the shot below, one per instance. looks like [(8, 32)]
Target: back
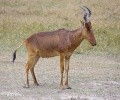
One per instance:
[(50, 42)]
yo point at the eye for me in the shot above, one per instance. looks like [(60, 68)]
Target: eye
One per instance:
[(88, 30)]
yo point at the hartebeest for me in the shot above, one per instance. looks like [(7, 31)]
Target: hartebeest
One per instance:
[(57, 43)]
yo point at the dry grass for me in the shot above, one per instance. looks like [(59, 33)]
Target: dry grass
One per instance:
[(21, 18)]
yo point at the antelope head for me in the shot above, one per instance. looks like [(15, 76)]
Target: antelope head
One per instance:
[(87, 27)]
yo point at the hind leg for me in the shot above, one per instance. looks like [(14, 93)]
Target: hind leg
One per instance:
[(27, 71), (35, 60), (32, 60)]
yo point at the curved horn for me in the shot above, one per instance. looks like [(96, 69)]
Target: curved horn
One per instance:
[(87, 14), (88, 10), (85, 9)]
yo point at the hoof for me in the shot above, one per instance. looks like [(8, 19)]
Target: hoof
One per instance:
[(62, 88), (36, 84), (25, 86), (68, 88)]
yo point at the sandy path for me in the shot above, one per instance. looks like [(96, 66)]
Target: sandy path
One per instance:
[(91, 77)]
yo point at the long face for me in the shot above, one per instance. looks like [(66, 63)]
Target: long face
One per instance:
[(87, 28), (88, 34)]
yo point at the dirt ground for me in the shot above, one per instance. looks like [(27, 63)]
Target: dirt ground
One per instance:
[(91, 77)]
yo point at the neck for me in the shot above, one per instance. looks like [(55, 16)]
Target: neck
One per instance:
[(76, 37), (77, 34)]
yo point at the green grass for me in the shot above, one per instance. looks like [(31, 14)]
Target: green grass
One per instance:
[(20, 19)]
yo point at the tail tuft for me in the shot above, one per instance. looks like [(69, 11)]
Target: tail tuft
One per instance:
[(14, 56)]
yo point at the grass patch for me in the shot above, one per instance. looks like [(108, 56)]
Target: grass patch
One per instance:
[(20, 19)]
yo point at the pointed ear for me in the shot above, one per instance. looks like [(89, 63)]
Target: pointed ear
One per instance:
[(82, 23)]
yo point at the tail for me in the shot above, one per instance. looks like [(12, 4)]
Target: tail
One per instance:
[(14, 54)]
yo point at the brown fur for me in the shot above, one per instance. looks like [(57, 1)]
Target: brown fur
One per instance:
[(57, 43)]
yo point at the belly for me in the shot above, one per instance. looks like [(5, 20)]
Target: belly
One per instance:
[(47, 54)]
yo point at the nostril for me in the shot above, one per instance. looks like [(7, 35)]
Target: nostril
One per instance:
[(95, 44)]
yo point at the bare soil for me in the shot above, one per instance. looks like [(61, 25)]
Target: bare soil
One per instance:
[(91, 77)]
